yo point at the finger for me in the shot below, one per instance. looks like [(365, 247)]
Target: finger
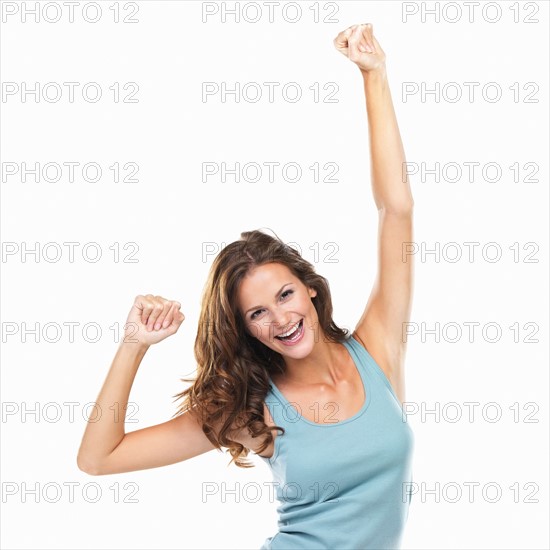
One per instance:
[(178, 319), (168, 317), (172, 312), (355, 42), (160, 306), (163, 314), (341, 41), (365, 43), (370, 36), (146, 306)]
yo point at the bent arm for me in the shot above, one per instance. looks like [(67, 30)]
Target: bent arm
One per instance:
[(104, 434), (107, 449)]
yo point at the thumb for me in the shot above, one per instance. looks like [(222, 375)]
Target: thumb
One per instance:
[(341, 41)]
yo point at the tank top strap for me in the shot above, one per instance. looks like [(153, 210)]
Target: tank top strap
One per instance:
[(276, 406)]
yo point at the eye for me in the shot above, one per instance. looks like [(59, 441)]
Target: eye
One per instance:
[(283, 295), (254, 314)]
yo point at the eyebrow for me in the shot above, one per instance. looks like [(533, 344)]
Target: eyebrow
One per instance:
[(276, 296)]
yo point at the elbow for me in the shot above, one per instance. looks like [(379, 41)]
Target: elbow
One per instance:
[(87, 467), (401, 209)]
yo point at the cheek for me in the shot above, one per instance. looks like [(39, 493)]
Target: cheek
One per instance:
[(252, 329), (311, 305), (313, 311), (257, 331)]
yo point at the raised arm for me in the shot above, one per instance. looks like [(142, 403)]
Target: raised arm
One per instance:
[(389, 304), (105, 447)]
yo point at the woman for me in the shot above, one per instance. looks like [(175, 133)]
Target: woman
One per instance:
[(277, 376)]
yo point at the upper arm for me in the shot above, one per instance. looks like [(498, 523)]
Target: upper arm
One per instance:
[(173, 441), (389, 305)]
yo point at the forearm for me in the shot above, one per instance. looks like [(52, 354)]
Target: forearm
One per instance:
[(390, 187), (105, 429)]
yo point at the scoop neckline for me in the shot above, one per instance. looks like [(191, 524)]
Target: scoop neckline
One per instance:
[(347, 344)]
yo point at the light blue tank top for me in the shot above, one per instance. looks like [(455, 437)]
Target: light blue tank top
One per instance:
[(342, 485)]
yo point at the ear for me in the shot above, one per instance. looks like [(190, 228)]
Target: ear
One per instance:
[(312, 292)]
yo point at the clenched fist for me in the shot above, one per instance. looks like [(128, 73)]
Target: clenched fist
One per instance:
[(358, 44), (152, 319)]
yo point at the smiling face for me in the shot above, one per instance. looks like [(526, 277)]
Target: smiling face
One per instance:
[(272, 301)]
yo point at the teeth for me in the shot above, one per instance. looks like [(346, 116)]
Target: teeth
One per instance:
[(290, 331)]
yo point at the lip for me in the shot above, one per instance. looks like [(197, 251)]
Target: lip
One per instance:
[(293, 343), (291, 326)]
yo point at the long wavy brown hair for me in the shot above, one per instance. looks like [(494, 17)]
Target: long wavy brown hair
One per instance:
[(233, 366)]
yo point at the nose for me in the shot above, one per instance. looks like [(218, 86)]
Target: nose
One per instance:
[(281, 322)]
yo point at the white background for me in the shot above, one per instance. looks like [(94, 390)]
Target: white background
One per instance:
[(171, 213)]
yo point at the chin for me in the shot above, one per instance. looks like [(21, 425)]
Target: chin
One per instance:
[(301, 350)]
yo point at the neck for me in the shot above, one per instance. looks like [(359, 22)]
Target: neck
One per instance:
[(322, 366)]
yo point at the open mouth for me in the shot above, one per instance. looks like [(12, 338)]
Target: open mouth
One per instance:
[(294, 334)]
